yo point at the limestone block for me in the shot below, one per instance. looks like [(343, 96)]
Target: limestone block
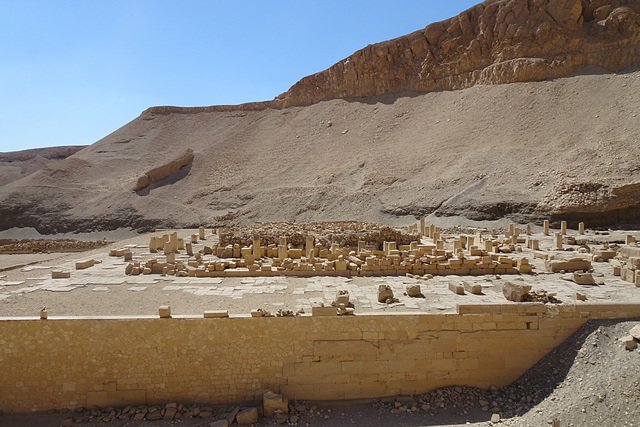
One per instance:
[(164, 311), (563, 227), (635, 332), (321, 310), (189, 248), (274, 402), (219, 423), (171, 258), (247, 416), (414, 291), (384, 293), (201, 233), (216, 314), (583, 278), (58, 274), (576, 264), (194, 238), (296, 253), (81, 265), (629, 342), (342, 297), (515, 291), (43, 314), (153, 245), (128, 256), (473, 288), (456, 288), (546, 227), (558, 241)]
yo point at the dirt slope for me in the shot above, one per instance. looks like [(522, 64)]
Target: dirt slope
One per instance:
[(18, 164), (562, 149)]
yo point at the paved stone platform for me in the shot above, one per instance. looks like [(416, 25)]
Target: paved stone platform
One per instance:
[(104, 289)]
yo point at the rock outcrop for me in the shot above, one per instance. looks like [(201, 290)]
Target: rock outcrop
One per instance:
[(495, 42)]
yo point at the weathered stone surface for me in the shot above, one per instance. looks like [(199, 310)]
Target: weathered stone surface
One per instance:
[(515, 291)]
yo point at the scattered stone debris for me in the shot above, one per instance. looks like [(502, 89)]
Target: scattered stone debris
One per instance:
[(541, 296), (48, 246)]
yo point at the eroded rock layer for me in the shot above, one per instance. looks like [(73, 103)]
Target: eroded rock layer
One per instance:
[(495, 42)]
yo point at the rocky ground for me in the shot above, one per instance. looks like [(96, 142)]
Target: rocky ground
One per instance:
[(589, 380)]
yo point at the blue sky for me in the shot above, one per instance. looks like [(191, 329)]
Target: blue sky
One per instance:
[(71, 72)]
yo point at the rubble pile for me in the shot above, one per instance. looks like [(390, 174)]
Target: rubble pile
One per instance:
[(48, 246), (344, 233)]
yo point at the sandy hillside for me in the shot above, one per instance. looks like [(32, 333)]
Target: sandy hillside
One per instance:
[(524, 150), (514, 108)]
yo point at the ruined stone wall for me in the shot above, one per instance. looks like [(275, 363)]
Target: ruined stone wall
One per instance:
[(114, 362)]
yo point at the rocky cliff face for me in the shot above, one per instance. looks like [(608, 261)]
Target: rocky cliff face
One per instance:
[(559, 149), (495, 42)]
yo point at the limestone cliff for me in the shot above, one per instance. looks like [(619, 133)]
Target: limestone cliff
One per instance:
[(495, 42)]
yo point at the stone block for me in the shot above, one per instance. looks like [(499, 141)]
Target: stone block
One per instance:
[(472, 288), (164, 311), (456, 288), (216, 314), (630, 342), (342, 297), (81, 265), (576, 264), (219, 423), (384, 293), (635, 332), (414, 291), (247, 416), (58, 274), (515, 291), (273, 402)]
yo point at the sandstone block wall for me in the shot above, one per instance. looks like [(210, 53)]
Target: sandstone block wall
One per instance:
[(115, 362)]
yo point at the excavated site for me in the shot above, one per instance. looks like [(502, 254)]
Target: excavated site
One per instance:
[(441, 229)]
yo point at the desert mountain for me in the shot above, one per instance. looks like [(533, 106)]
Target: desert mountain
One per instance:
[(514, 108)]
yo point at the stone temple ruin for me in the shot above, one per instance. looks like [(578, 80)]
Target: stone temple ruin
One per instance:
[(362, 337)]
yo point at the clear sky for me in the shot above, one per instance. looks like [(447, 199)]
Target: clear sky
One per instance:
[(73, 71)]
